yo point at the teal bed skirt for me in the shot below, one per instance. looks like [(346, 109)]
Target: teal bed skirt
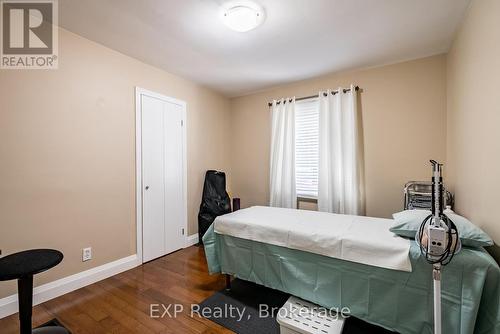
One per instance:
[(396, 300)]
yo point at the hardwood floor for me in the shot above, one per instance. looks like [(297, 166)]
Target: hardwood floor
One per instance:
[(121, 304)]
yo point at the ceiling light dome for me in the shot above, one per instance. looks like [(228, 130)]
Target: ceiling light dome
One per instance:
[(242, 15)]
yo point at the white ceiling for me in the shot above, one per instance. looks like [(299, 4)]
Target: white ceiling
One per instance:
[(300, 38)]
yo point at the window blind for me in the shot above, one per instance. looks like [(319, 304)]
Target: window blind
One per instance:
[(307, 148)]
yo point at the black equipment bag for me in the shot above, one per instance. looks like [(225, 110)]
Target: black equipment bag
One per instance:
[(215, 200)]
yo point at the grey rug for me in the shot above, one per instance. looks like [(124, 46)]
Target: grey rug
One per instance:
[(246, 297), (238, 310)]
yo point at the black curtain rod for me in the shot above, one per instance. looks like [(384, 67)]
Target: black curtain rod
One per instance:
[(345, 90)]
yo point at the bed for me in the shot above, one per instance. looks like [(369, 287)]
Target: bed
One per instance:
[(397, 300)]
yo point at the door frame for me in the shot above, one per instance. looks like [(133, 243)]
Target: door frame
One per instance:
[(138, 163)]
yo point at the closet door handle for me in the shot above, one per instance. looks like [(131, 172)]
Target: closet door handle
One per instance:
[(147, 187)]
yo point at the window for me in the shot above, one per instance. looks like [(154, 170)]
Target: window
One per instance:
[(307, 148)]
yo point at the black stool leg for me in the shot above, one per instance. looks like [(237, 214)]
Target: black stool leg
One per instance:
[(228, 282), (25, 292)]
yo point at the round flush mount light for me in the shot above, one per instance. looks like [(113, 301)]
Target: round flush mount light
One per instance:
[(242, 15)]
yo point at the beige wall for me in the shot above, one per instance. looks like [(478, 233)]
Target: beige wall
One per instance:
[(67, 143), (404, 125), (67, 140), (473, 145)]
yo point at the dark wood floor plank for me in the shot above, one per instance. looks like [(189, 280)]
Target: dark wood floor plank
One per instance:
[(121, 304), (136, 306)]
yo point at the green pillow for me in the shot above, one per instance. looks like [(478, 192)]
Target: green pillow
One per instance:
[(408, 222)]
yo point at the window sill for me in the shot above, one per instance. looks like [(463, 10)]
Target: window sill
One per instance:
[(307, 199)]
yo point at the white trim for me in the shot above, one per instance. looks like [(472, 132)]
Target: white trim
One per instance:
[(138, 160), (142, 91), (138, 173), (192, 239), (42, 293)]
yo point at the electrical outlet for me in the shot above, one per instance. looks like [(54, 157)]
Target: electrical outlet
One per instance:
[(87, 254)]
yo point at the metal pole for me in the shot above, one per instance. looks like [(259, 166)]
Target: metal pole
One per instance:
[(437, 184), (436, 274), (25, 289), (315, 96)]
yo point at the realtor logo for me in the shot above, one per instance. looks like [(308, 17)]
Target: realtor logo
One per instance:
[(29, 34)]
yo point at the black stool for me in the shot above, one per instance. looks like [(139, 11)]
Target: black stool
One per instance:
[(22, 266)]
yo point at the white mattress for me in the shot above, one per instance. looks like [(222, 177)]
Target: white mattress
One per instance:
[(365, 240)]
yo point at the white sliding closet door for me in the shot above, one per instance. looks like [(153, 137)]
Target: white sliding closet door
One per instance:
[(163, 222)]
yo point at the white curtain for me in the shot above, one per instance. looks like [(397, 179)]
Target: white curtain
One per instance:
[(340, 188), (282, 175)]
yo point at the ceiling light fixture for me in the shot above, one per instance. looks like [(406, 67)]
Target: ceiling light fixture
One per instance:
[(242, 15)]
